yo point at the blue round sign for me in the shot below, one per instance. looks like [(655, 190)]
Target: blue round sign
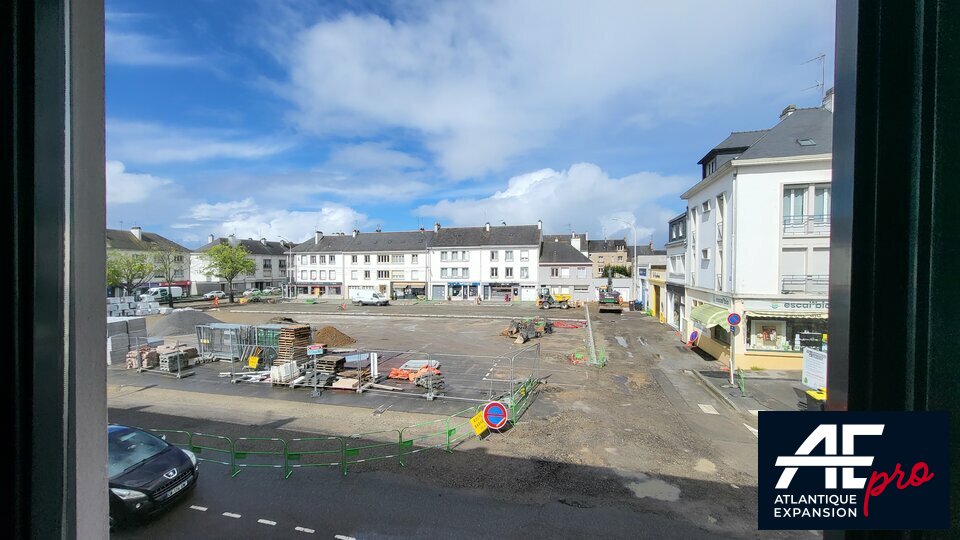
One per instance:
[(733, 319), (495, 415)]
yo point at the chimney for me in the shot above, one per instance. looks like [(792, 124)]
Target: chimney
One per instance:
[(787, 111), (539, 224), (487, 226), (263, 241), (436, 227), (575, 241), (356, 232), (317, 236), (828, 100), (138, 232), (210, 238), (233, 239)]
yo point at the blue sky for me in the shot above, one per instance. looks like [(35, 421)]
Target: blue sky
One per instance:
[(276, 118)]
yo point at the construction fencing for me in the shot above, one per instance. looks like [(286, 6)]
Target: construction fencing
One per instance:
[(341, 452)]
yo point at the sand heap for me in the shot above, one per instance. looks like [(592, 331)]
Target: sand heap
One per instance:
[(180, 322), (332, 337)]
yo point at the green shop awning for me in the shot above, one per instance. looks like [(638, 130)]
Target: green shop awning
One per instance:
[(707, 316)]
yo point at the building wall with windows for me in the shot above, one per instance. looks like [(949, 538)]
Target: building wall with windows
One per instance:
[(138, 243), (564, 269), (270, 260)]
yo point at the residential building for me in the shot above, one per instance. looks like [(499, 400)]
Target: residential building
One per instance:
[(758, 240), (564, 269), (394, 263), (319, 266), (138, 243), (271, 260), (676, 253), (646, 257), (491, 263), (656, 292), (608, 252)]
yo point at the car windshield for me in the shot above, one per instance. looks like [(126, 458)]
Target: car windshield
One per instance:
[(129, 447)]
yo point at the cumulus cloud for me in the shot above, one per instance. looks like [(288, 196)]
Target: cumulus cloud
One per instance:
[(481, 83), (130, 188), (583, 197), (150, 143), (248, 219)]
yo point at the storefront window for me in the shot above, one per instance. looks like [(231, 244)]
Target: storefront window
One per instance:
[(718, 333), (789, 335)]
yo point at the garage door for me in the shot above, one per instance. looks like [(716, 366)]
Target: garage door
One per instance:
[(438, 292), (624, 292), (528, 294), (583, 294)]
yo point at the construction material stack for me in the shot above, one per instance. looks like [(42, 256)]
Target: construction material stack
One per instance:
[(128, 306), (125, 334), (292, 344)]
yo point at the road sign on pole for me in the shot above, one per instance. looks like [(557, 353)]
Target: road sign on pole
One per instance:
[(495, 415), (733, 319)]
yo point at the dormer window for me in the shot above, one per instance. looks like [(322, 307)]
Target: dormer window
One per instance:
[(711, 167), (705, 207), (806, 142)]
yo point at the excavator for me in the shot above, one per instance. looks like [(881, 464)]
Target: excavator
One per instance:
[(609, 297), (547, 300)]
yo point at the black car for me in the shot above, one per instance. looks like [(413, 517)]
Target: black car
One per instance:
[(146, 473)]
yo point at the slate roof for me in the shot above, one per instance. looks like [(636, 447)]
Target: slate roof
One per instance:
[(255, 247), (606, 246), (781, 141), (503, 235), (554, 252), (646, 250), (736, 142), (391, 241), (122, 239), (331, 243)]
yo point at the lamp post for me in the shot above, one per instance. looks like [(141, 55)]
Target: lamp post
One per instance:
[(633, 277), (289, 266)]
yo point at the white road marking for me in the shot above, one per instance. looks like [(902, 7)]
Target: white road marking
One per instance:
[(266, 522), (755, 412), (630, 354), (304, 529), (621, 341), (756, 432), (200, 508), (230, 514), (709, 409), (342, 537), (734, 486)]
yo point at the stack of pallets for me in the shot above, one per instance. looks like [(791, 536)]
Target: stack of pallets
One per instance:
[(330, 364), (292, 344)]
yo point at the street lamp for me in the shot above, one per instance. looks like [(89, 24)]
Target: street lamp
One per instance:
[(633, 279), (289, 265)]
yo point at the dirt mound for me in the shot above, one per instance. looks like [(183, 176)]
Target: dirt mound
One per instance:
[(332, 337), (180, 322)]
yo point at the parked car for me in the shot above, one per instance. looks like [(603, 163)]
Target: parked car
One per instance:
[(251, 292), (146, 474), (273, 290), (214, 294), (368, 297)]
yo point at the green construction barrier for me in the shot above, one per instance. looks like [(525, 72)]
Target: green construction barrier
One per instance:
[(361, 452), (243, 455), (198, 448), (297, 457)]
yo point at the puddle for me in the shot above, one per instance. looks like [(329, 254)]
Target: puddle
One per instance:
[(621, 341), (644, 486)]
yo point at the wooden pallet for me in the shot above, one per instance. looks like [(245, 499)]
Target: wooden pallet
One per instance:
[(292, 344)]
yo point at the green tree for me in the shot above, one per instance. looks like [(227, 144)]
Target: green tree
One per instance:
[(168, 263), (618, 270), (128, 271), (227, 262)]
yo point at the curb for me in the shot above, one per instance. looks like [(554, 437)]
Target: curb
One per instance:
[(407, 315), (716, 391)]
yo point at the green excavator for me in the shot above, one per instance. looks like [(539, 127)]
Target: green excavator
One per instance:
[(609, 297)]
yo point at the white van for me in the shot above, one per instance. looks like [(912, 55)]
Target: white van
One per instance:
[(159, 293), (366, 297)]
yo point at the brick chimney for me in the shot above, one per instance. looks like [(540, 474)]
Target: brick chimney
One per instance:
[(787, 111), (138, 232)]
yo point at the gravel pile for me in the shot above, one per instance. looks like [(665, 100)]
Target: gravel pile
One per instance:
[(180, 322), (332, 337)]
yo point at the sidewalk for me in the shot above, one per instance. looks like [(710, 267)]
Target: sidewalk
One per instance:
[(763, 390)]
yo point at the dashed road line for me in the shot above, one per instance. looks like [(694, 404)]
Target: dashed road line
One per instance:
[(304, 530), (266, 522), (342, 537), (756, 432), (709, 409), (200, 508), (231, 515)]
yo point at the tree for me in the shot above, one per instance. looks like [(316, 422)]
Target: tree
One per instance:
[(227, 262), (128, 271), (167, 262), (618, 269)]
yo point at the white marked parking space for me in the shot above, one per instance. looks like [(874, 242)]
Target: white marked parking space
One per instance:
[(709, 409), (200, 508), (304, 530), (266, 522), (756, 432), (231, 515)]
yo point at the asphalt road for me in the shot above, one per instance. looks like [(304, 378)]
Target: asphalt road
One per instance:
[(322, 503)]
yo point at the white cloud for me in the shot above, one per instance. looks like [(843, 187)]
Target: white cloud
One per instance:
[(130, 188), (582, 197), (248, 219), (373, 156), (481, 83), (133, 49), (142, 142)]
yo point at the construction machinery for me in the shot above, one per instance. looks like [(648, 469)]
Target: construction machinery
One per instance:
[(547, 300), (609, 297)]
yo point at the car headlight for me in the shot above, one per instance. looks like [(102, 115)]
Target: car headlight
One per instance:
[(192, 456), (127, 494)]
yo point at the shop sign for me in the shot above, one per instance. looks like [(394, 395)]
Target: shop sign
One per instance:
[(721, 300), (641, 272), (786, 305), (814, 369)]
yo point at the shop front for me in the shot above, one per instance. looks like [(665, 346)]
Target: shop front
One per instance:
[(463, 290), (708, 316), (777, 330), (657, 295), (320, 289), (408, 290), (501, 292), (676, 307)]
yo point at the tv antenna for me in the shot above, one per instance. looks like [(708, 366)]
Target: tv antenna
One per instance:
[(821, 58)]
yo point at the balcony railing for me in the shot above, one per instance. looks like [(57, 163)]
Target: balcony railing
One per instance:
[(817, 284), (812, 225)]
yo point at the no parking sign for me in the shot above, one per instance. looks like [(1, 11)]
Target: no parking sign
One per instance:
[(495, 415)]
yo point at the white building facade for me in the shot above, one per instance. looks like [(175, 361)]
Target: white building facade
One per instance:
[(675, 308), (271, 265)]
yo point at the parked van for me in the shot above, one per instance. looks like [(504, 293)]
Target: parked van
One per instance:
[(364, 297), (160, 293)]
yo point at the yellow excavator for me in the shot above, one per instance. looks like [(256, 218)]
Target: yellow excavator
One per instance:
[(547, 300)]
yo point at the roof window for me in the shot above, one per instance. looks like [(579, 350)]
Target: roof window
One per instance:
[(806, 142)]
